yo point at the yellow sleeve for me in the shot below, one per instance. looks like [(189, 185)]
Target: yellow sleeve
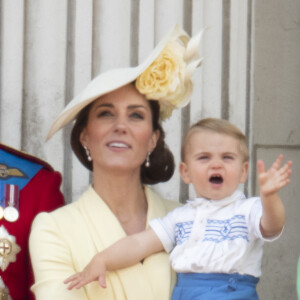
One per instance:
[(51, 261)]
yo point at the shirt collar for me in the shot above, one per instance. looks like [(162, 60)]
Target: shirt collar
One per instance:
[(223, 202)]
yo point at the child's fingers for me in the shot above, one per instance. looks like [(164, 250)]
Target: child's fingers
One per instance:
[(79, 284), (102, 280), (73, 284), (71, 278), (284, 174), (276, 164), (289, 164), (260, 167), (76, 281), (286, 171)]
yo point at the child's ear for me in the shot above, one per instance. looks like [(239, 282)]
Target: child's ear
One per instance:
[(183, 170), (245, 170)]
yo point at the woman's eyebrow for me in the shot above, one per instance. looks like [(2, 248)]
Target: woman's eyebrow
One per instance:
[(134, 106), (104, 105)]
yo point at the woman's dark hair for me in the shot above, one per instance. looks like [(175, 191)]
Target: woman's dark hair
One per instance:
[(80, 124), (162, 163)]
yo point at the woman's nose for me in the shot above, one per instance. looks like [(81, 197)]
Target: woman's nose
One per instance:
[(120, 125)]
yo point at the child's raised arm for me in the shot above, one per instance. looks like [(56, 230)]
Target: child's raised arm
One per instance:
[(124, 253), (270, 182)]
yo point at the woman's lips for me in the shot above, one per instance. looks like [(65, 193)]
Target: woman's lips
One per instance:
[(118, 145)]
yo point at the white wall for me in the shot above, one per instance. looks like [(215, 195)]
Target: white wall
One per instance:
[(276, 127), (51, 49)]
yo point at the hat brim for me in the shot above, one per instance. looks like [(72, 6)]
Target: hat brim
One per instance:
[(110, 81)]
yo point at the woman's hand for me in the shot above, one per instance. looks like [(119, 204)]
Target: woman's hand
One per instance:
[(94, 271)]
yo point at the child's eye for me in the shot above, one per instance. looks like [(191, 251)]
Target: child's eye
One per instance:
[(203, 157), (228, 157)]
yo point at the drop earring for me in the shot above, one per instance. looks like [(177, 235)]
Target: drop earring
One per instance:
[(88, 154), (147, 163)]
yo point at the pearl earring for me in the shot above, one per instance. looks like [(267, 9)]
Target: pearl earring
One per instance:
[(147, 163), (88, 154)]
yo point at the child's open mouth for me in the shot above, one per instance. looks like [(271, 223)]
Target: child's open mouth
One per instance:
[(216, 179)]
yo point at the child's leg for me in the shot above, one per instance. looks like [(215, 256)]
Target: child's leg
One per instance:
[(214, 286)]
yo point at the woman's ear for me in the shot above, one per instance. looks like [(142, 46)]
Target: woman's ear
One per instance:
[(83, 137), (153, 140), (184, 173)]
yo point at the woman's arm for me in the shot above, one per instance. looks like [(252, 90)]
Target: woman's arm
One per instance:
[(124, 253), (270, 182), (51, 261)]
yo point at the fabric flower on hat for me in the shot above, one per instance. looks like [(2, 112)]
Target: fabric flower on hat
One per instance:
[(169, 78)]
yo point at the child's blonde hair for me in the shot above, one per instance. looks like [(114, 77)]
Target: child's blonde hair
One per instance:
[(219, 126)]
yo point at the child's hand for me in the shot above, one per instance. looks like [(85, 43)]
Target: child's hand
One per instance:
[(94, 271), (271, 181)]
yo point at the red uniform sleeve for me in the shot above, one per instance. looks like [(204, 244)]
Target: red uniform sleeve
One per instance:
[(42, 193)]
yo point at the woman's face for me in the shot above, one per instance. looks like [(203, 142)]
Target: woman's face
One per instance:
[(119, 130)]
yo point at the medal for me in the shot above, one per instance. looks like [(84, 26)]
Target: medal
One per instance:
[(4, 292), (8, 248), (1, 202), (10, 202)]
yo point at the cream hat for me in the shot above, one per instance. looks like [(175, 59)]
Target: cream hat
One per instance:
[(164, 76)]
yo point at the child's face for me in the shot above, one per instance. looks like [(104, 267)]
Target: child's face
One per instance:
[(213, 164)]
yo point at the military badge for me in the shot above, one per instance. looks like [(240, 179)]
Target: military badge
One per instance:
[(6, 172), (8, 248), (4, 292)]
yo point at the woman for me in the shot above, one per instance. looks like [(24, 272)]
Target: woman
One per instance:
[(117, 134)]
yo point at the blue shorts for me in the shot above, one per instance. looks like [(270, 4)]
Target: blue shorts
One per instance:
[(215, 286)]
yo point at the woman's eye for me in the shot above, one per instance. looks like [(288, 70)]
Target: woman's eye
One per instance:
[(104, 113), (137, 115)]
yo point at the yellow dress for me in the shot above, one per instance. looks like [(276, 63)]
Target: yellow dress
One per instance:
[(64, 241)]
